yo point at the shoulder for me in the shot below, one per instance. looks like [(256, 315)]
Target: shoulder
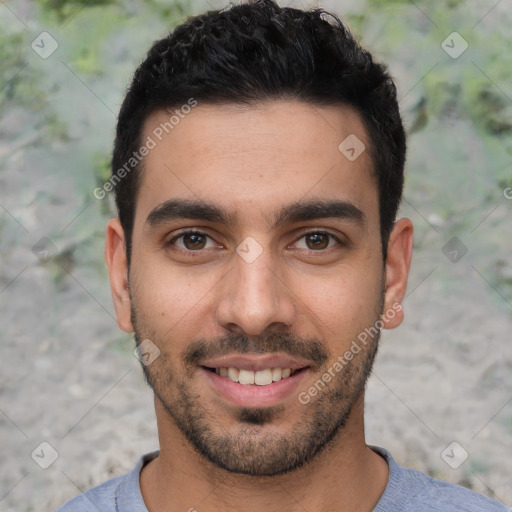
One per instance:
[(102, 497), (411, 490), (448, 497), (119, 494)]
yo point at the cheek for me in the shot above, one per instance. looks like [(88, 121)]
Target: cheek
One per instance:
[(343, 302), (170, 300)]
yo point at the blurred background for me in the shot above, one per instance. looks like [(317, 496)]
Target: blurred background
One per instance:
[(74, 408)]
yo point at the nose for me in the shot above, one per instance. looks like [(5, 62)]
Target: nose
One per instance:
[(254, 297)]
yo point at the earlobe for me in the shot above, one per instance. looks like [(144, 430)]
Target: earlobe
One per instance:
[(398, 263), (115, 258)]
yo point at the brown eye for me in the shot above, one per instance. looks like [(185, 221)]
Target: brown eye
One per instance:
[(192, 241), (317, 241)]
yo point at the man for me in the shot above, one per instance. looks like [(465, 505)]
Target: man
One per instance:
[(258, 168)]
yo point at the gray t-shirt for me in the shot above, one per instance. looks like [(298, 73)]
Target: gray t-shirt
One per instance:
[(407, 490)]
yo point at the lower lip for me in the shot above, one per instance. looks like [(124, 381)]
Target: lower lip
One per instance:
[(252, 395)]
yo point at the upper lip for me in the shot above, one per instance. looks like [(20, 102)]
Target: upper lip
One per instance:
[(255, 362)]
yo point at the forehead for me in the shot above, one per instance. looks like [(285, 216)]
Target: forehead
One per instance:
[(251, 160)]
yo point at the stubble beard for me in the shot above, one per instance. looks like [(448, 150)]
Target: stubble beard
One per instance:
[(255, 447)]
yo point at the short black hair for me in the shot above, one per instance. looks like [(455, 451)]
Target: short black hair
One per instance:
[(258, 51)]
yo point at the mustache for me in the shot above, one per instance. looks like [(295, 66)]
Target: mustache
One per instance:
[(310, 349)]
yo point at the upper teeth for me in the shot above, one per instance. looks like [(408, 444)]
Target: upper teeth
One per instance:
[(261, 377)]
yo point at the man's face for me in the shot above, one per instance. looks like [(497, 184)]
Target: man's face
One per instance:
[(266, 282)]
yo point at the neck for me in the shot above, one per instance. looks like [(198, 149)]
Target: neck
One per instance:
[(345, 476)]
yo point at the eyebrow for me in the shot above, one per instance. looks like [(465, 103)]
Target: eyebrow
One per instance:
[(175, 209)]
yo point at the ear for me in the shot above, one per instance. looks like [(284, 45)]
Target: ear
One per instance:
[(115, 257), (398, 263)]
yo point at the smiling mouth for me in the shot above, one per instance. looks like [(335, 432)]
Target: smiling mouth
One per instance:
[(259, 378)]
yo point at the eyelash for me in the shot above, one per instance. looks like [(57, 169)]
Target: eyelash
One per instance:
[(196, 232)]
